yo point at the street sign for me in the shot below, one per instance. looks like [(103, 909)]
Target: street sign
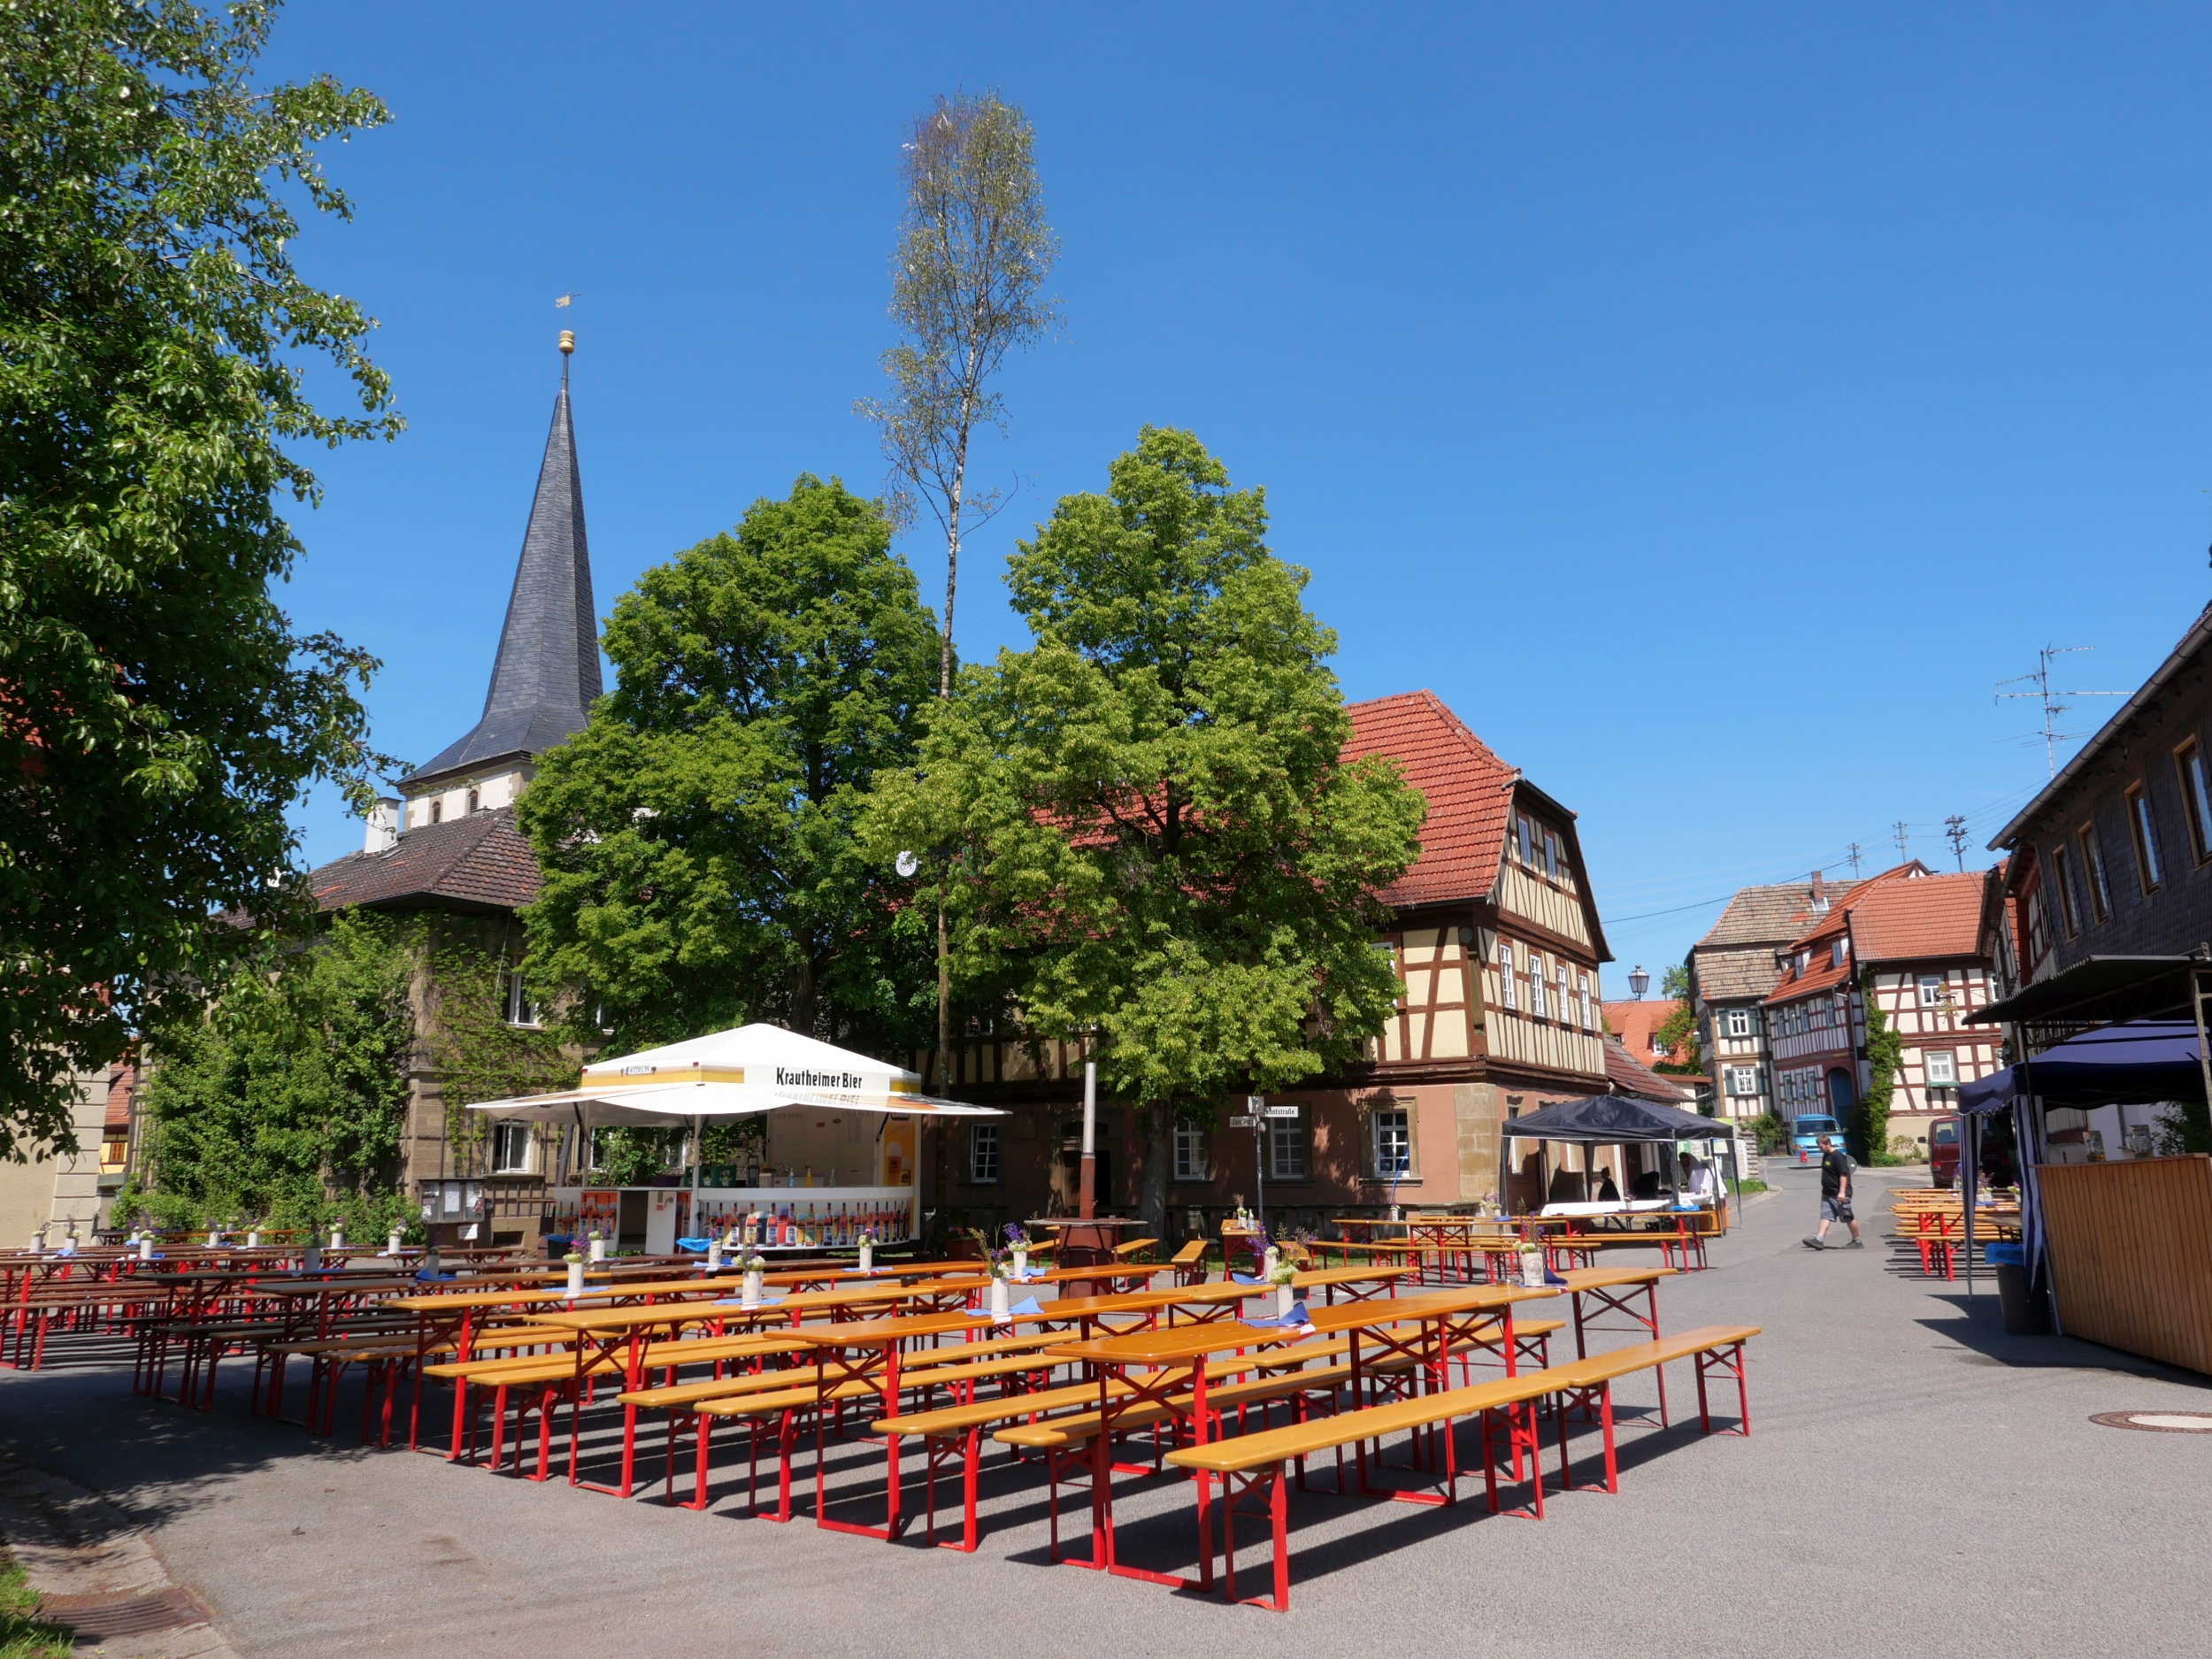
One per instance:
[(1242, 1122), (1290, 1111)]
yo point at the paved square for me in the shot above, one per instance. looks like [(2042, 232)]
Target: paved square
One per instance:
[(1914, 1481)]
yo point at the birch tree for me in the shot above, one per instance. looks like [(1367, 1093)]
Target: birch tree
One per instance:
[(967, 286)]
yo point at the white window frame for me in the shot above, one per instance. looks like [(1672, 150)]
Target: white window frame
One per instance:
[(1931, 989), (521, 1010), (2149, 874), (1286, 1156), (1943, 1059), (1743, 1082), (1566, 997), (1589, 1012), (1538, 1002), (1391, 1128), (1739, 1022), (985, 1167), (1193, 1158), (504, 1158), (1507, 973)]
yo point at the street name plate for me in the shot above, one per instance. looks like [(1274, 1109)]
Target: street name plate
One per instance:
[(1242, 1122)]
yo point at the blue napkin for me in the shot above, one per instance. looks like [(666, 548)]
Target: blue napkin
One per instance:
[(423, 1276), (1297, 1319), (697, 1246), (1551, 1278), (1245, 1279), (1026, 1305), (766, 1300), (1030, 1277)]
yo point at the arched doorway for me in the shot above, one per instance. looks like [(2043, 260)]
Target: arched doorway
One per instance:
[(1843, 1094)]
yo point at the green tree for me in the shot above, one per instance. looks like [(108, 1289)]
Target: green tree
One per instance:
[(696, 838), (158, 713), (1146, 824), (286, 1094), (1868, 1129), (966, 287), (1678, 1031)]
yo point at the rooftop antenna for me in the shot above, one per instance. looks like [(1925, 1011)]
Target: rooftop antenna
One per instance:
[(2052, 709), (1954, 827)]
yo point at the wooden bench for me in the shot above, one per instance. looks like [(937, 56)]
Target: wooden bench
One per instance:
[(957, 1431), (1246, 1461), (1189, 1264), (1715, 1347)]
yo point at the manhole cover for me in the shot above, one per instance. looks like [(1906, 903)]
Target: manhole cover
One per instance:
[(2158, 1421)]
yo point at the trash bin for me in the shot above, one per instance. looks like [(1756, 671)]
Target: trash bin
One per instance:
[(2024, 1313)]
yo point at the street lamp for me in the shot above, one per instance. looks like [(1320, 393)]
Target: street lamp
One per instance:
[(1638, 981)]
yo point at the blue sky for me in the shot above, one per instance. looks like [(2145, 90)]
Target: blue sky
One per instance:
[(1710, 404)]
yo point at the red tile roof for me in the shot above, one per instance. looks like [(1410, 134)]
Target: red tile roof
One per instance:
[(1819, 976), (478, 862), (1934, 916), (1469, 789), (1635, 1021), (1628, 1075)]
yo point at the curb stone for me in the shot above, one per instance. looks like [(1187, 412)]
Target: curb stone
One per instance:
[(95, 1569)]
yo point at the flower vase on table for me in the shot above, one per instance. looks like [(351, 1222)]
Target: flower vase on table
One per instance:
[(1001, 1304), (391, 1243), (1268, 1262), (1532, 1266), (714, 1255), (253, 1239), (338, 1233), (750, 1296), (867, 1252), (598, 1246), (145, 1247), (575, 1272)]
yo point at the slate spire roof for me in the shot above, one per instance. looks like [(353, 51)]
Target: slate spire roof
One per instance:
[(546, 675)]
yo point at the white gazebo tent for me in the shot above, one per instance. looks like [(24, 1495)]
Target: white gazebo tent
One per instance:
[(746, 1072)]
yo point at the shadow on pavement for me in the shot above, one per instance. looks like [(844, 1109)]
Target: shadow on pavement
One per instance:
[(1978, 1331)]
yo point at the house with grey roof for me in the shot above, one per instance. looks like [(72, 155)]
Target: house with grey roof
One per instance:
[(1733, 971)]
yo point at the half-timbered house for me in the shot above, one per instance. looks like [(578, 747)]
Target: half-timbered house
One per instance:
[(1926, 945), (1495, 937)]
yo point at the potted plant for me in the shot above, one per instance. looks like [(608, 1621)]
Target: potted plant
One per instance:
[(754, 1263), (575, 1260), (598, 1243), (999, 1263), (1531, 1264)]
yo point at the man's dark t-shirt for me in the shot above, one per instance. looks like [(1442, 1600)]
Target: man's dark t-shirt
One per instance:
[(1833, 1167)]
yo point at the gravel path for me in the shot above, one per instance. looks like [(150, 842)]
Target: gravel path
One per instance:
[(1914, 1479)]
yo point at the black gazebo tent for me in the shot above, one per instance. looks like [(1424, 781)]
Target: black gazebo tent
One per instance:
[(1617, 1120)]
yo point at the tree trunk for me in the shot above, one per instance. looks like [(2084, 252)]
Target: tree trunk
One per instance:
[(1159, 1159)]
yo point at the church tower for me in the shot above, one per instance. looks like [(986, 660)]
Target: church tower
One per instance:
[(447, 849), (546, 675)]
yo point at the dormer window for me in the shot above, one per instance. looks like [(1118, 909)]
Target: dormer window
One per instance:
[(472, 798), (1835, 954), (437, 810)]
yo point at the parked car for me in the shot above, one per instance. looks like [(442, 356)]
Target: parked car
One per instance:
[(1943, 1150), (1805, 1134)]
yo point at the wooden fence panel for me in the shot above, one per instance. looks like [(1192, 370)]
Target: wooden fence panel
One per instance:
[(2131, 1250)]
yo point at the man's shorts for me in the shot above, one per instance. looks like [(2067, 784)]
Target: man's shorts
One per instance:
[(1834, 1209)]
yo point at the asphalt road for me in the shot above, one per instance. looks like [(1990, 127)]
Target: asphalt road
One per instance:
[(1914, 1481)]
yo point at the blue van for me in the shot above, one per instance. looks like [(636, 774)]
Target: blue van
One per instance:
[(1805, 1134)]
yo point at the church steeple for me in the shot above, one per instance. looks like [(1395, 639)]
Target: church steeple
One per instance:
[(546, 675)]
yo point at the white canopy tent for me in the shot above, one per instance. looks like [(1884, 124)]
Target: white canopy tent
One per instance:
[(731, 1074), (746, 1072)]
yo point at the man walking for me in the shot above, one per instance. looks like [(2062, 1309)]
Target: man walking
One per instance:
[(1835, 1197)]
